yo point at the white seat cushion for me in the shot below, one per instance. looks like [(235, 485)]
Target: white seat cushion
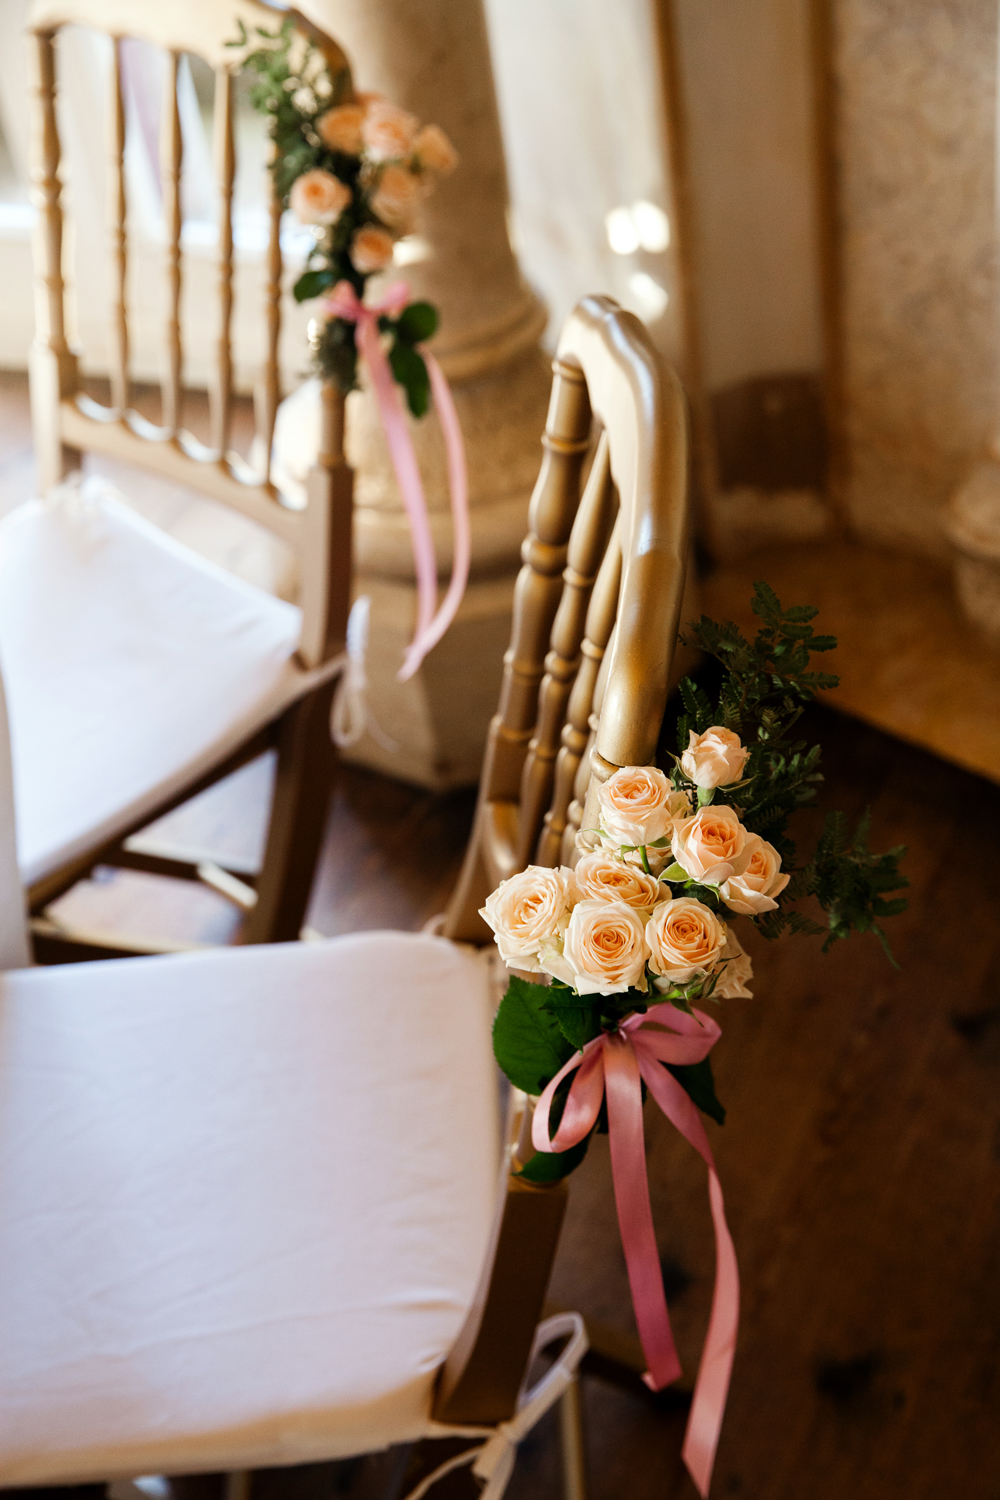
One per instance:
[(244, 1199), (131, 667)]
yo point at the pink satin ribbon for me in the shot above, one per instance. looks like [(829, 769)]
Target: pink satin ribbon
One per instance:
[(614, 1063), (343, 302)]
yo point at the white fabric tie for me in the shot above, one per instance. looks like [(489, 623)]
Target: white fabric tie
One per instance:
[(494, 1459), (349, 712)]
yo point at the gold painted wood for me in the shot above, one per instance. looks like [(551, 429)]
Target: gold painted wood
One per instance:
[(557, 842), (66, 422), (200, 26), (117, 238), (267, 392), (172, 149), (537, 594), (587, 545), (603, 696), (52, 364), (221, 394)]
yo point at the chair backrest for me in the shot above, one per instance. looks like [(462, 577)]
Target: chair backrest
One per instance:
[(596, 605), (66, 421)]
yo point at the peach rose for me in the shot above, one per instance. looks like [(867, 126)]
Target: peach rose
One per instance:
[(395, 197), (388, 131), (317, 197), (434, 152), (604, 949), (685, 938), (340, 128), (735, 971), (635, 806), (715, 758), (760, 882), (526, 911), (371, 249), (601, 878), (710, 846)]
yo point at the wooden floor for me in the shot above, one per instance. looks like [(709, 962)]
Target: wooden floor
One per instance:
[(860, 1159)]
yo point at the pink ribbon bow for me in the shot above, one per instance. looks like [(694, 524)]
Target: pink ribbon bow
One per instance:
[(614, 1063), (343, 302)]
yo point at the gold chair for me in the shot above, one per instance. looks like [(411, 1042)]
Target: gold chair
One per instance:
[(138, 674), (596, 606), (242, 1221)]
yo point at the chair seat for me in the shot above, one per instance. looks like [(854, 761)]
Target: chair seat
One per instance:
[(131, 667), (244, 1200)]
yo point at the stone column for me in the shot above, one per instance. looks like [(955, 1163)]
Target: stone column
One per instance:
[(432, 57)]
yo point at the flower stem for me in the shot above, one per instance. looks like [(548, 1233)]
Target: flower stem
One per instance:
[(645, 861)]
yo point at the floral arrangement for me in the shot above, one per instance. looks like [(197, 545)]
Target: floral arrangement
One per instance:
[(638, 935), (353, 167), (647, 914)]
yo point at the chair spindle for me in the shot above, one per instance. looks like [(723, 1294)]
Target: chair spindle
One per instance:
[(557, 844), (117, 236), (539, 583), (588, 541), (225, 169), (172, 153), (268, 389), (53, 364)]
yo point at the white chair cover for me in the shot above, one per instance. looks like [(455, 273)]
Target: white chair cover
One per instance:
[(131, 664), (244, 1199)]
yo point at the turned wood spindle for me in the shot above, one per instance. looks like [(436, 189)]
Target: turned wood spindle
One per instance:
[(563, 820), (538, 589), (225, 169), (117, 237), (267, 392), (588, 542), (172, 147)]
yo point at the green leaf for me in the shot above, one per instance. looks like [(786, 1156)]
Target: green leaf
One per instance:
[(697, 1082), (706, 794), (417, 322), (675, 873), (578, 1015), (310, 284), (551, 1166), (410, 370), (527, 1041)]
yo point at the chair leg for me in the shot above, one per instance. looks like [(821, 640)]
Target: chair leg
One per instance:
[(307, 762), (571, 1439)]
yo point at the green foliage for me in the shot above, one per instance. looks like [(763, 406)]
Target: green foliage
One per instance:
[(766, 685), (551, 1166), (851, 883), (527, 1041), (411, 372)]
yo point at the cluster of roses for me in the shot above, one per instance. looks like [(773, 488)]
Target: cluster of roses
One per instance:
[(398, 161), (614, 923)]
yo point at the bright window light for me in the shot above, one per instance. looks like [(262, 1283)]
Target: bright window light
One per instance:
[(652, 226), (651, 297), (622, 234)]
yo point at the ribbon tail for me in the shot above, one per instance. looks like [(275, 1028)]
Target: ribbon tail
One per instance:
[(583, 1102), (404, 462), (458, 485), (635, 1213), (712, 1386)]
